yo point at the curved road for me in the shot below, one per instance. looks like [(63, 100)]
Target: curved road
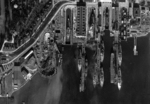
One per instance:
[(35, 37)]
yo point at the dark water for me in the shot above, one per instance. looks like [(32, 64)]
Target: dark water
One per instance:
[(135, 75)]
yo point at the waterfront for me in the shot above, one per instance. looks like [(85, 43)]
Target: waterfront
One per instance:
[(135, 73)]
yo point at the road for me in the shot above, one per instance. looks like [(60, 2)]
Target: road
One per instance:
[(135, 73), (34, 38)]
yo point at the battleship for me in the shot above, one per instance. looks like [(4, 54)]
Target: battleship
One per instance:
[(82, 66), (71, 23), (115, 64)]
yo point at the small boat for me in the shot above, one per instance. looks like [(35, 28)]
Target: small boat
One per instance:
[(79, 65), (119, 82), (95, 79), (135, 50), (119, 85), (102, 57), (102, 78), (120, 56)]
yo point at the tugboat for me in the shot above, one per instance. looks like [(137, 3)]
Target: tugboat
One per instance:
[(119, 55), (68, 31), (119, 79), (79, 64), (101, 77), (79, 60), (135, 45)]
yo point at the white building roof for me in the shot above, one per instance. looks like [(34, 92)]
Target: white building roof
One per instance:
[(47, 35), (106, 0)]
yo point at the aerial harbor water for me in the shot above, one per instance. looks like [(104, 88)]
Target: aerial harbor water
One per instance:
[(75, 52)]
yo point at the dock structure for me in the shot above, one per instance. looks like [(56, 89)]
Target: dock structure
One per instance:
[(76, 17)]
